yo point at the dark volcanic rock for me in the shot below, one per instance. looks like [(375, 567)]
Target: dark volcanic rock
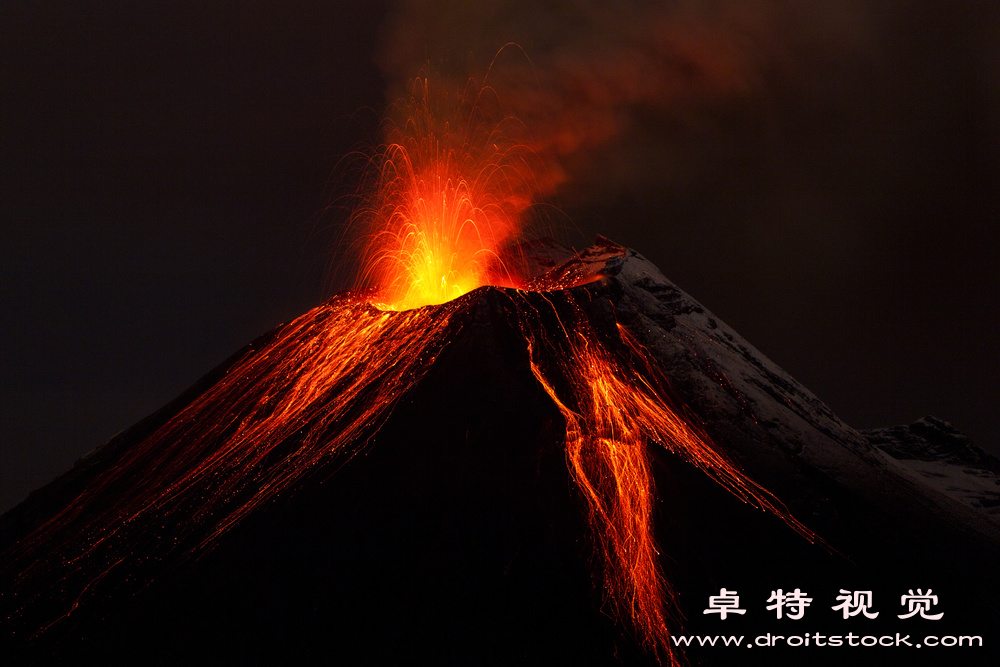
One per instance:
[(457, 537)]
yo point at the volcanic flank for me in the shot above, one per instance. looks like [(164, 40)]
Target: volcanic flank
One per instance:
[(560, 474)]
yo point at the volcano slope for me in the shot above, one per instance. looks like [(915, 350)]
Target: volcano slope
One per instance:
[(432, 515)]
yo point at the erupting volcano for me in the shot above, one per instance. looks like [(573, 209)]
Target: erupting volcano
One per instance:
[(485, 423)]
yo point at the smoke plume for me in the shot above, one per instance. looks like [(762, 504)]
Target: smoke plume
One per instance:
[(642, 89)]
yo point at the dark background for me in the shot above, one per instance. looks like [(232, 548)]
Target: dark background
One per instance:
[(830, 187)]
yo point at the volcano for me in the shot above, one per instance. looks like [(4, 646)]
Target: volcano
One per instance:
[(561, 474)]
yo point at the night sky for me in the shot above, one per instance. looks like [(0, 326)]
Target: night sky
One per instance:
[(824, 176)]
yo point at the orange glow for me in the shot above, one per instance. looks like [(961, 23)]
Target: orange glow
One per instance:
[(452, 188)]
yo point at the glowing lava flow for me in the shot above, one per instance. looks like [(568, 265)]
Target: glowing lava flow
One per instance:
[(615, 401), (308, 398)]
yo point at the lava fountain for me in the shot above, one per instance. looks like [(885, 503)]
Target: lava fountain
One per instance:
[(447, 204), (451, 190)]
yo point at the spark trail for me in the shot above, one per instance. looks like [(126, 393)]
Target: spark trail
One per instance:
[(452, 184)]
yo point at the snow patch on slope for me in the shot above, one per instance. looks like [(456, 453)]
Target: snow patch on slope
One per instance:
[(735, 381), (935, 454)]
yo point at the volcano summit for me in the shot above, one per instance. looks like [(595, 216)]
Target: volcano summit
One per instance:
[(559, 474)]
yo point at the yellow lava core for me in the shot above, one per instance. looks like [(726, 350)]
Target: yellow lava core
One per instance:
[(441, 244), (450, 194)]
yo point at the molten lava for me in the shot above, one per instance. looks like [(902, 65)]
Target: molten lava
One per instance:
[(450, 194), (616, 403), (449, 197)]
